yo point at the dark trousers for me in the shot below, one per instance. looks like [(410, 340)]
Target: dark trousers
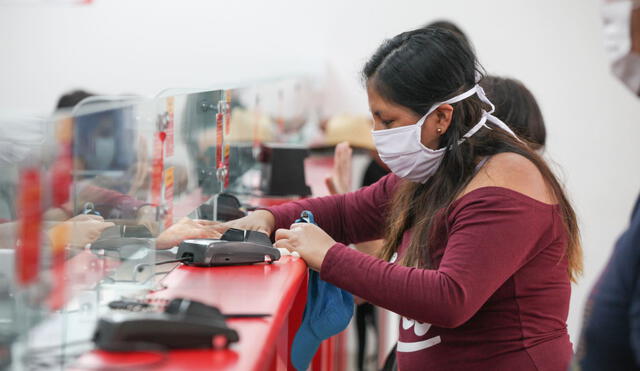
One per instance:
[(365, 315)]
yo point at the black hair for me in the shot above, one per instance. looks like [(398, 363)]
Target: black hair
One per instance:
[(421, 67), (450, 26), (72, 98), (517, 107)]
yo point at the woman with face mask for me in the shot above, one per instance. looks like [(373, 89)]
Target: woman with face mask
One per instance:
[(481, 244), (515, 106)]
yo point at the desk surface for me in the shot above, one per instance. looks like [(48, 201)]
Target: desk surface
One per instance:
[(257, 288)]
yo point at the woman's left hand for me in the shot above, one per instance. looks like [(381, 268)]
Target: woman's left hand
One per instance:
[(308, 240)]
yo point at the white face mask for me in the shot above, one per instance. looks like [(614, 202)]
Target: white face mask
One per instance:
[(616, 15), (105, 152), (402, 151)]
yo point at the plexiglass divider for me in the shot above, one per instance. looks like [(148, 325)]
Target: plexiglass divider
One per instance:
[(86, 193)]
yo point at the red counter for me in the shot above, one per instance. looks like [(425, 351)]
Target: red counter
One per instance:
[(279, 289)]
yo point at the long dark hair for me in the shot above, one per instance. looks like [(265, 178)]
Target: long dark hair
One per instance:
[(417, 69)]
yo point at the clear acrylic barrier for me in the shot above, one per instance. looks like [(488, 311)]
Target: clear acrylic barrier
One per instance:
[(282, 111), (25, 245), (110, 176)]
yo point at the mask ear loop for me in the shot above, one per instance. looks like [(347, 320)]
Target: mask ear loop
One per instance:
[(491, 118), (503, 126), (476, 127), (422, 120), (456, 99), (486, 116), (483, 97), (477, 89)]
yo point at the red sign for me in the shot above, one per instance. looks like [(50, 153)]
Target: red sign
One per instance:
[(169, 128), (219, 133), (157, 166), (30, 222), (227, 126)]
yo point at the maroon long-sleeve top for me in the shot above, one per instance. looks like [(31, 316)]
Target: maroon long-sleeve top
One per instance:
[(499, 297)]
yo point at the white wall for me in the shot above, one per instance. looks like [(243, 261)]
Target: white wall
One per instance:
[(143, 46)]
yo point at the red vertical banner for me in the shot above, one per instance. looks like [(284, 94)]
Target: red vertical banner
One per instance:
[(29, 226), (169, 142), (168, 197), (227, 130), (219, 135), (157, 166)]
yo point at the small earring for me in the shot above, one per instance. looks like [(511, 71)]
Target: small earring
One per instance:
[(439, 130)]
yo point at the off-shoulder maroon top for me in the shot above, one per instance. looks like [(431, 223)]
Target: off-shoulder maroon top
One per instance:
[(499, 297)]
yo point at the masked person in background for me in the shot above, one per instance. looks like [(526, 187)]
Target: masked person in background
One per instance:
[(622, 40), (610, 337), (111, 163), (481, 243)]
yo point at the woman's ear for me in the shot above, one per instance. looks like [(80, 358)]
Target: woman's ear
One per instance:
[(436, 124), (443, 115)]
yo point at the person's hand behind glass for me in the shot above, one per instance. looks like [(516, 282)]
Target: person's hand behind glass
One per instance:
[(84, 229), (185, 229), (340, 180)]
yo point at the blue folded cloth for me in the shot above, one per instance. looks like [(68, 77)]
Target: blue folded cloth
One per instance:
[(328, 312)]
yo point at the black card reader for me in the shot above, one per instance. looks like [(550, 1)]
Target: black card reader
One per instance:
[(235, 247)]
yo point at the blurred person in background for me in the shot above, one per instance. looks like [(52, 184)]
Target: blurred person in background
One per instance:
[(610, 337), (518, 108)]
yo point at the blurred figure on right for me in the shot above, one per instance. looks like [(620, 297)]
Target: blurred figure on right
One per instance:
[(610, 338), (622, 40)]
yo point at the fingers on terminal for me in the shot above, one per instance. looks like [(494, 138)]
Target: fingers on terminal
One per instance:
[(284, 244), (282, 234)]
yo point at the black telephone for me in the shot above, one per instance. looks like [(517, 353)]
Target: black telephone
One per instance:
[(228, 208), (184, 324)]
